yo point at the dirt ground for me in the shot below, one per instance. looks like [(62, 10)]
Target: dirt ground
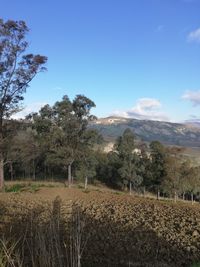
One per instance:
[(124, 229)]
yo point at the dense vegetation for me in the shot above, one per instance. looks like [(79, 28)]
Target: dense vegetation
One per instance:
[(57, 144)]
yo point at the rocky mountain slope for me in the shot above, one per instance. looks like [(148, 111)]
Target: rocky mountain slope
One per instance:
[(168, 133)]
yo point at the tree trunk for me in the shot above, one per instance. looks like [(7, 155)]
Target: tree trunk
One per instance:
[(45, 172), (34, 177), (79, 261), (192, 198), (158, 194), (144, 191), (1, 172), (183, 195), (69, 175), (11, 171), (175, 196), (86, 181), (130, 188), (1, 157)]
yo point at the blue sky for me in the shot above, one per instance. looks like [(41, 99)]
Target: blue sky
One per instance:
[(136, 58)]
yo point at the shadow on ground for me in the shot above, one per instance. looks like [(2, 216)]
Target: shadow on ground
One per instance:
[(62, 234)]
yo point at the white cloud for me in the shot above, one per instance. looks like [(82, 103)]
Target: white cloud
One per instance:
[(192, 96), (194, 36), (34, 107), (145, 109)]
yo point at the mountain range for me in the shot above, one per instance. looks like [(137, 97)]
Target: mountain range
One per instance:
[(187, 135)]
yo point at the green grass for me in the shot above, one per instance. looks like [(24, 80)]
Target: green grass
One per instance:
[(31, 187), (196, 265), (34, 188), (16, 188), (80, 186)]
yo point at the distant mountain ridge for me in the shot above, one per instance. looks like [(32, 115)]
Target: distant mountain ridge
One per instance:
[(147, 130)]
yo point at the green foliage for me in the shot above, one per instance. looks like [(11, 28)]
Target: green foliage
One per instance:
[(58, 137), (14, 188), (129, 169), (158, 155), (34, 188), (196, 265), (31, 187), (86, 168), (125, 144), (172, 181), (17, 70), (51, 139)]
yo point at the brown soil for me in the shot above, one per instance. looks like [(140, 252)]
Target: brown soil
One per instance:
[(125, 230)]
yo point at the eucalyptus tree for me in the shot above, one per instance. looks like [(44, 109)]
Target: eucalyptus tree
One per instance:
[(193, 182), (72, 119), (87, 156), (158, 157), (129, 170), (63, 131), (173, 177), (26, 150), (86, 169), (172, 180), (144, 164), (185, 172), (17, 70), (111, 167)]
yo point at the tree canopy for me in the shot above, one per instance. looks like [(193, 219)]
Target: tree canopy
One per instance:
[(17, 70)]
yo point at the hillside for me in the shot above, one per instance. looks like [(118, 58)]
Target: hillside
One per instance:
[(117, 230), (168, 133)]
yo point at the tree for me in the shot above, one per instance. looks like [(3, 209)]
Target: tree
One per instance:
[(17, 70), (11, 127), (144, 165), (192, 181), (87, 159), (87, 168), (172, 180), (25, 149), (111, 170), (184, 176), (125, 148), (64, 126), (158, 155)]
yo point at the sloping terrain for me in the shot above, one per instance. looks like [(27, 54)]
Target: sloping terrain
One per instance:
[(118, 230), (168, 133)]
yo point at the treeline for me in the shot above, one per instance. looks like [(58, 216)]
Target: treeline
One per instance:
[(154, 167), (56, 143)]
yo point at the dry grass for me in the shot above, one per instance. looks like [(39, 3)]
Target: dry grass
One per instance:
[(41, 235)]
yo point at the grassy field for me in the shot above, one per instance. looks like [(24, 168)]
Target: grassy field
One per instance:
[(47, 224)]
